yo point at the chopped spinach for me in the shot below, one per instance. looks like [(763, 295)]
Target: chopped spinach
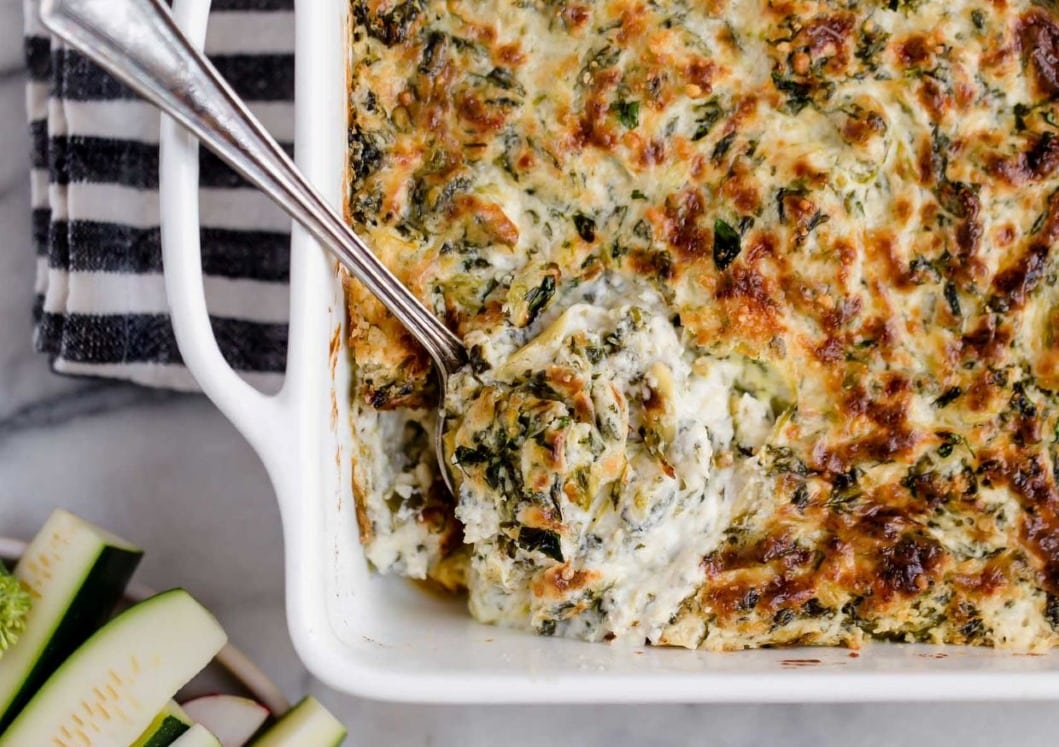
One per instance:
[(390, 28), (476, 359), (502, 77), (365, 156), (1051, 611), (781, 459), (951, 442), (537, 298), (798, 94), (723, 146), (543, 541), (726, 244), (466, 456), (871, 44), (781, 197), (1022, 404), (1021, 111), (973, 628), (949, 396), (586, 227), (844, 499), (953, 298), (432, 60), (628, 112), (606, 57), (784, 616), (709, 114)]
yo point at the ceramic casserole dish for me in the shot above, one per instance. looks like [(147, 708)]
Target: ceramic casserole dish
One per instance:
[(385, 638)]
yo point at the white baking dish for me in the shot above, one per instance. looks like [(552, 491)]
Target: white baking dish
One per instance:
[(383, 638)]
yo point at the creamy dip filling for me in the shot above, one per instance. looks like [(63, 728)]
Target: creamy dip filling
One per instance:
[(597, 465), (836, 407)]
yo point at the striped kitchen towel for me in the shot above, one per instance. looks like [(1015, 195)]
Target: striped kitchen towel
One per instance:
[(100, 306)]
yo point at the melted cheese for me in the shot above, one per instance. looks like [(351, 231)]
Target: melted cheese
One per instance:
[(760, 299), (596, 470)]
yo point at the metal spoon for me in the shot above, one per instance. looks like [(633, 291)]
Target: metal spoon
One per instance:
[(138, 42)]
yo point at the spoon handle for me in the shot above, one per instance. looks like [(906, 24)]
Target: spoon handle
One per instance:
[(138, 42)]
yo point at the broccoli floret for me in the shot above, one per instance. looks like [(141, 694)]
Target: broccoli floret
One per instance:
[(14, 606)]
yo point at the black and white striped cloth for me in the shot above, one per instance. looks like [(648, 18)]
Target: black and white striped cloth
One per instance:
[(100, 306)]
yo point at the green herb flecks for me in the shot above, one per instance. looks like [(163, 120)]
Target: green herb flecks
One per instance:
[(949, 442), (586, 227), (726, 244), (952, 297), (1051, 611), (537, 298), (723, 146), (365, 154), (782, 460), (502, 77), (1020, 111), (798, 94), (466, 456), (390, 28), (843, 501), (543, 541), (708, 115), (949, 396), (435, 54), (628, 113), (870, 46)]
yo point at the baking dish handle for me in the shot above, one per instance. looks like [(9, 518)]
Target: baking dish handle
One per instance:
[(257, 416)]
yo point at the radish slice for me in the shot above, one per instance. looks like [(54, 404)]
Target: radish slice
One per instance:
[(231, 719)]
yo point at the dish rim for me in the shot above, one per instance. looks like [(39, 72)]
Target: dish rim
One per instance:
[(294, 431)]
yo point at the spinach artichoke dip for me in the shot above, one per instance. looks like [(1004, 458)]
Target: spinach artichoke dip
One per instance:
[(760, 299)]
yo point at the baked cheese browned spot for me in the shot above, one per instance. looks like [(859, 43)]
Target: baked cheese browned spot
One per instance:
[(760, 299)]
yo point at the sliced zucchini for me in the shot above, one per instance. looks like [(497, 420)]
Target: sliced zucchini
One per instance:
[(308, 724), (166, 727), (113, 686), (197, 736), (233, 720), (75, 572)]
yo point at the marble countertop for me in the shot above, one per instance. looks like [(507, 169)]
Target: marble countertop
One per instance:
[(161, 468)]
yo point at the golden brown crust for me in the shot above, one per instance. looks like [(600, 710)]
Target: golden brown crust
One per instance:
[(863, 198)]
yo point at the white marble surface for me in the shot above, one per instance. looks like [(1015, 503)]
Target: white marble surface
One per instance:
[(169, 472)]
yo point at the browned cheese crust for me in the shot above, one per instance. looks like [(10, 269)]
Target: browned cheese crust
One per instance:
[(858, 196)]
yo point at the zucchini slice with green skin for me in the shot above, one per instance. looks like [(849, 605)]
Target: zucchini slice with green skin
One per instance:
[(114, 685), (166, 727), (307, 724), (197, 736), (75, 573), (230, 718)]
